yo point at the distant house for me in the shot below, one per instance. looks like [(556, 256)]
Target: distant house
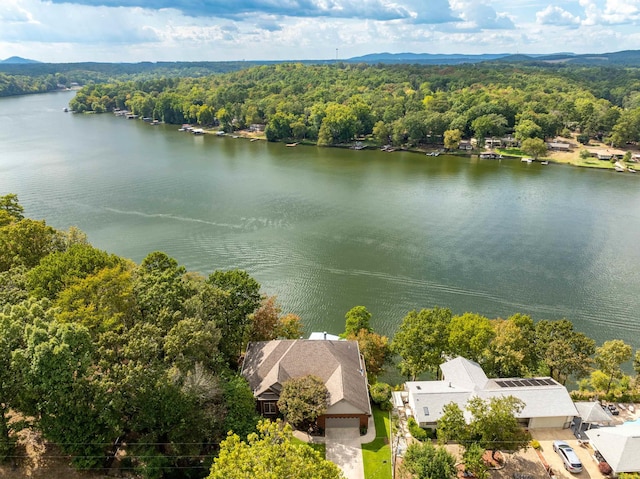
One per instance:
[(547, 402), (619, 446), (558, 146), (257, 127), (492, 142), (269, 364), (465, 145)]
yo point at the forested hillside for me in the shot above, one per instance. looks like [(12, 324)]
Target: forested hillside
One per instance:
[(399, 104), (111, 360)]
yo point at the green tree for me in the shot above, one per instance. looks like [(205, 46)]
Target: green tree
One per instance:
[(470, 336), (338, 126), (535, 147), (473, 458), (495, 426), (452, 425), (241, 416), (452, 139), (270, 454), (492, 124), (303, 400), (357, 318), (25, 242), (563, 351), (421, 340), (610, 356), (240, 299), (60, 270), (510, 353), (526, 129), (425, 461), (12, 207), (636, 362)]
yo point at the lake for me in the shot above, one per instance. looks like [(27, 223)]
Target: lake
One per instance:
[(326, 229)]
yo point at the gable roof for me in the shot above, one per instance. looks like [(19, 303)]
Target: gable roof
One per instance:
[(464, 373), (620, 446), (269, 364)]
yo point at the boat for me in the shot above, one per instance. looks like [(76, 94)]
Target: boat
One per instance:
[(545, 162), (527, 160), (619, 169), (220, 133), (292, 144), (254, 139), (197, 131), (631, 170), (65, 109), (433, 153)]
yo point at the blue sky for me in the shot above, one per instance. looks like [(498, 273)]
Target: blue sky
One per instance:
[(216, 30)]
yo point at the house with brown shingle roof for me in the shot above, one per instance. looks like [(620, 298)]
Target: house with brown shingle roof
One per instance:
[(269, 364)]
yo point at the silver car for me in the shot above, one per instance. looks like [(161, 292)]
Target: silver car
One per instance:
[(568, 455)]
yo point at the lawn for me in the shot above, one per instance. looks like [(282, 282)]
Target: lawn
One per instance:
[(377, 454)]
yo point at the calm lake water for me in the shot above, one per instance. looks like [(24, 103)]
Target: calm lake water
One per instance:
[(328, 229)]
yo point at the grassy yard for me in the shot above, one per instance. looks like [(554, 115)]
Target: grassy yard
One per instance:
[(377, 454)]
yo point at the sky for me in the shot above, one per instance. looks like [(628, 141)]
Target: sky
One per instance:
[(217, 30)]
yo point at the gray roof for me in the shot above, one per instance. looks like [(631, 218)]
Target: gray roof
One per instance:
[(463, 379), (620, 446), (268, 364), (464, 373), (592, 412)]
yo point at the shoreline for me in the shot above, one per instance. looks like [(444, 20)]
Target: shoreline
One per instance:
[(571, 158)]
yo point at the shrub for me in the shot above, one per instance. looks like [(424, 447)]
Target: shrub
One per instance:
[(380, 393), (605, 468), (415, 430), (535, 444)]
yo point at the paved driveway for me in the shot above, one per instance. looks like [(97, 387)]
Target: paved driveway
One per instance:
[(343, 449), (546, 438)]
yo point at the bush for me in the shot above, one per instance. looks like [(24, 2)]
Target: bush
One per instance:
[(535, 444), (416, 431), (380, 392), (605, 468)]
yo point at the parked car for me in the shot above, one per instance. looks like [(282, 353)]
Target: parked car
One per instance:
[(613, 409), (568, 456)]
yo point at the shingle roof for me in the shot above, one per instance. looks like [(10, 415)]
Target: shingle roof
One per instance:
[(268, 364)]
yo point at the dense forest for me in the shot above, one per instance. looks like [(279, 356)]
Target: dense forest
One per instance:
[(407, 105), (21, 78), (100, 354), (135, 366)]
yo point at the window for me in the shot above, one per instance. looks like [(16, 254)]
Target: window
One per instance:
[(269, 408)]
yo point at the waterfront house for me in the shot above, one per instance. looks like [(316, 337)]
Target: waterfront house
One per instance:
[(269, 364), (547, 402), (619, 446)]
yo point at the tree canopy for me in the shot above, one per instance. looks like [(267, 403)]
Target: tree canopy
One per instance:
[(270, 454)]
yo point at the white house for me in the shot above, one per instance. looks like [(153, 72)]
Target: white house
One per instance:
[(547, 402), (620, 446)]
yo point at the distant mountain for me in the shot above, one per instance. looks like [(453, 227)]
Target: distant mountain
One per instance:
[(426, 58), (622, 58), (625, 58), (14, 60)]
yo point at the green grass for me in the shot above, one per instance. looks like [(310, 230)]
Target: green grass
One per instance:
[(320, 447), (378, 451)]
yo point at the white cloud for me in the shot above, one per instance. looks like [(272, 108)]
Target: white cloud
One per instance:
[(481, 16), (553, 15)]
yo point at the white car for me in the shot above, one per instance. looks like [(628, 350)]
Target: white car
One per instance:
[(568, 456)]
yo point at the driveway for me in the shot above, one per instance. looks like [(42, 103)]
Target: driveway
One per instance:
[(343, 449), (546, 438)]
